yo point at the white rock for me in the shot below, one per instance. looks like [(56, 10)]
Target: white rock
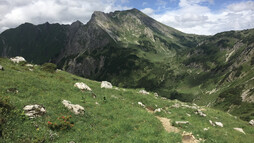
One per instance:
[(29, 65), (251, 122), (182, 122), (33, 111), (1, 68), (199, 112), (219, 124), (158, 110), (141, 104), (77, 109), (143, 92), (211, 122), (106, 84), (188, 114), (97, 103), (82, 86), (239, 130), (17, 59), (206, 129), (156, 94)]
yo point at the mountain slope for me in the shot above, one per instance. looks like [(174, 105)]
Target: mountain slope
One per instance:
[(130, 49), (116, 117)]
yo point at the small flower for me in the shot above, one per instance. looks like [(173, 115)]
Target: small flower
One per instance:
[(49, 123)]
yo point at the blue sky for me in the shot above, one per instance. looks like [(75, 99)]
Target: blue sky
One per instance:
[(190, 16)]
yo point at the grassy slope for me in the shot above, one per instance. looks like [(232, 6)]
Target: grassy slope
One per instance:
[(119, 119)]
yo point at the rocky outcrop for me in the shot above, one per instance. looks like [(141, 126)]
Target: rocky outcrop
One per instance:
[(82, 86), (106, 84), (75, 108), (251, 122), (33, 111), (18, 59)]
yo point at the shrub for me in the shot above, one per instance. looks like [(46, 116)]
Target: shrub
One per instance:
[(62, 123), (49, 67)]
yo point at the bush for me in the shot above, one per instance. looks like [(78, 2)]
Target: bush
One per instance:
[(49, 67), (62, 123)]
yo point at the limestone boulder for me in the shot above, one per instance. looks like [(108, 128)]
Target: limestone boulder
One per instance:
[(106, 84), (75, 108), (17, 59), (82, 86), (143, 92), (33, 111)]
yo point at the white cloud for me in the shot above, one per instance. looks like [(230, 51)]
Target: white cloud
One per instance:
[(148, 11), (193, 17), (16, 12)]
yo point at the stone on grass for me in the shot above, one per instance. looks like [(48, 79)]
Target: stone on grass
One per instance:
[(82, 86), (199, 112), (158, 110), (76, 109), (143, 92), (1, 68), (141, 104), (156, 94), (251, 122), (239, 130), (18, 59), (219, 124), (206, 129), (33, 111), (211, 122), (29, 65), (182, 122), (106, 84)]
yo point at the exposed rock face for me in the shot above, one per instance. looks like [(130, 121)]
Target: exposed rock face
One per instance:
[(77, 109), (82, 86), (106, 84), (17, 59), (33, 111), (1, 68), (239, 130), (143, 92)]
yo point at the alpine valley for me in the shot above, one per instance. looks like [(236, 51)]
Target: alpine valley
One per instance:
[(132, 50)]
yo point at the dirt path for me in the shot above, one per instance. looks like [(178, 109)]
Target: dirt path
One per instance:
[(186, 137), (167, 125)]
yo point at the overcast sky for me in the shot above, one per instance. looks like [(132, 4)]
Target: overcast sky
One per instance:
[(190, 16)]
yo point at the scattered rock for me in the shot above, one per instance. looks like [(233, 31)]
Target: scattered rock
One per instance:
[(158, 110), (1, 68), (33, 111), (239, 130), (199, 112), (206, 129), (29, 65), (182, 122), (188, 138), (143, 92), (77, 109), (156, 95), (18, 59), (71, 142), (116, 88), (211, 122), (82, 86), (176, 105), (13, 90), (97, 103), (188, 114), (219, 124), (141, 104), (106, 84), (251, 122)]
